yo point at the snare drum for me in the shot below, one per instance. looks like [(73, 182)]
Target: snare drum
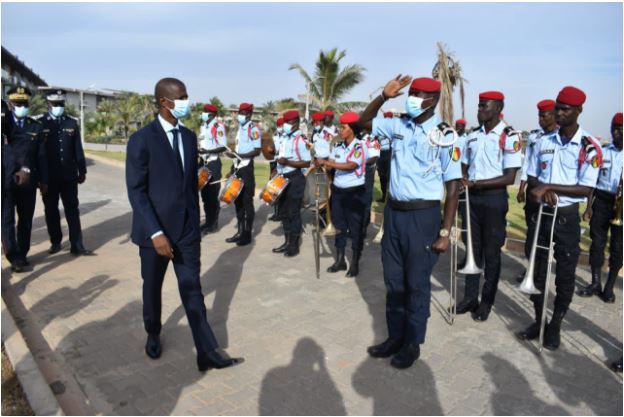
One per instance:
[(274, 188), (203, 176), (232, 189)]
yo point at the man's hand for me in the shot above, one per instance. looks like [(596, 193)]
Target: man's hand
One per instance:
[(162, 246), (551, 198), (537, 193), (283, 161), (521, 197), (81, 178), (394, 87), (232, 155), (43, 187), (441, 244), (22, 178), (466, 183), (588, 213)]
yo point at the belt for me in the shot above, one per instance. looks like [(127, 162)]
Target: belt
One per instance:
[(572, 208), (413, 205), (604, 195), (488, 191), (293, 173), (356, 189)]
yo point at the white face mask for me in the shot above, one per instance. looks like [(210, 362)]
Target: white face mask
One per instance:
[(181, 108), (287, 128), (413, 106), (204, 117), (20, 111), (242, 119), (57, 111)]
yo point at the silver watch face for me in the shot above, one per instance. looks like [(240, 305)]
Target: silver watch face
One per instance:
[(444, 232)]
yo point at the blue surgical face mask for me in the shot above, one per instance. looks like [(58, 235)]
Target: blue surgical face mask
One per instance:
[(57, 111), (205, 117), (242, 119), (413, 106), (287, 128), (20, 111), (181, 108)]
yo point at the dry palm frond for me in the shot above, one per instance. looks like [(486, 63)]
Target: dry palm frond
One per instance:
[(448, 71)]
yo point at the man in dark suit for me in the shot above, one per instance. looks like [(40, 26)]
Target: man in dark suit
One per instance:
[(161, 177), (67, 169)]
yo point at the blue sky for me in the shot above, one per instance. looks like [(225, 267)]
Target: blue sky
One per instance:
[(241, 52)]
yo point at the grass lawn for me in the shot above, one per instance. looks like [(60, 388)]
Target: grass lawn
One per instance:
[(516, 227)]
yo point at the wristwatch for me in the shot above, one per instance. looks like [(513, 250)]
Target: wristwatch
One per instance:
[(444, 233)]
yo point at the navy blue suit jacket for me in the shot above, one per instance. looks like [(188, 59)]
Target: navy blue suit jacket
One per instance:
[(162, 198)]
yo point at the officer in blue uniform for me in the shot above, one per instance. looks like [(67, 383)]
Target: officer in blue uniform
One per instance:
[(601, 212), (28, 170), (277, 140), (563, 170), (383, 163), (247, 148), (213, 142), (348, 160), (414, 230), (67, 168), (373, 147), (548, 124), (489, 164), (294, 156)]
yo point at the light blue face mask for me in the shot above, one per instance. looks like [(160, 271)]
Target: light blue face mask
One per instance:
[(205, 117), (20, 111), (413, 106), (57, 111), (287, 128), (242, 119), (180, 109)]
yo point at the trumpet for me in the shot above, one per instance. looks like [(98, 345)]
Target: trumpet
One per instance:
[(471, 266), (617, 207), (528, 285)]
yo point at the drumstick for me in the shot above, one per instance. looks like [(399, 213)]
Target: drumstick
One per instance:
[(233, 153)]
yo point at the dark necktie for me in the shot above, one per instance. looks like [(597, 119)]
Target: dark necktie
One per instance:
[(176, 148), (21, 123)]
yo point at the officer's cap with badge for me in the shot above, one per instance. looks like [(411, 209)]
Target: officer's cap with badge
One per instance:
[(55, 96), (19, 94)]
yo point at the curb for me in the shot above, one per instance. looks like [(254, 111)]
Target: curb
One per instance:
[(38, 392)]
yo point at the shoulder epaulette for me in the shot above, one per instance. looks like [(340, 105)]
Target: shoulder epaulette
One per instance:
[(36, 117), (589, 145)]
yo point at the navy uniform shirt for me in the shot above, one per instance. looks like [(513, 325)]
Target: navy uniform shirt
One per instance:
[(575, 163), (66, 159), (489, 154), (28, 149), (611, 170), (343, 153), (418, 169)]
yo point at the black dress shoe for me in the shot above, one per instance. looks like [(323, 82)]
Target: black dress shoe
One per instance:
[(213, 359), (234, 238), (607, 298), (281, 249), (56, 247), (153, 348), (616, 366), (245, 239), (589, 290), (18, 265), (530, 333), (466, 306), (482, 312), (552, 337), (406, 356), (292, 251), (80, 251), (386, 349)]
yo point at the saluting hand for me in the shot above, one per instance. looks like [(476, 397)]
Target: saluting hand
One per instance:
[(162, 246), (394, 87)]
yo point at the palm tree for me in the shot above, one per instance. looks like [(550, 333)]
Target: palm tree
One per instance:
[(329, 83), (448, 71)]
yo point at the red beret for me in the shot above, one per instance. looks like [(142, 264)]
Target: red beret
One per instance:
[(210, 108), (329, 113), (546, 105), (280, 121), (460, 122), (245, 106), (617, 119), (349, 117), (428, 85), (571, 96), (318, 116), (388, 115), (492, 95), (291, 115)]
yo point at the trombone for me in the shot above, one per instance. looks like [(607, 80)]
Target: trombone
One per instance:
[(528, 285), (471, 266)]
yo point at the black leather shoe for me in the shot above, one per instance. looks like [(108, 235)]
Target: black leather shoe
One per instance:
[(607, 298), (54, 248), (616, 366), (236, 236), (282, 248), (18, 266), (80, 251), (339, 264), (292, 251), (245, 238), (386, 349), (213, 359), (354, 267), (552, 337), (530, 333), (153, 348), (589, 290), (482, 312), (466, 306), (406, 356)]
